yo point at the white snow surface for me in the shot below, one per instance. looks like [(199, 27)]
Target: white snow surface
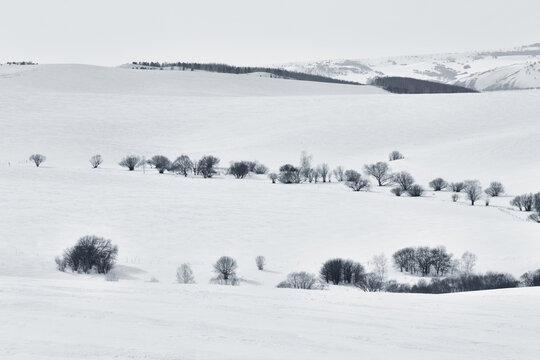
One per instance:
[(510, 69), (70, 112)]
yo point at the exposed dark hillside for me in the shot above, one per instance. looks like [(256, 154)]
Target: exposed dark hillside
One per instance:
[(405, 85), (223, 68)]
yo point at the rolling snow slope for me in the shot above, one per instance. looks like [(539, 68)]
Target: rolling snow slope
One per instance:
[(513, 69), (70, 112)]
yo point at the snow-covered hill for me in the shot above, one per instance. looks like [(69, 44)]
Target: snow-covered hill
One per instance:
[(512, 69), (71, 112)]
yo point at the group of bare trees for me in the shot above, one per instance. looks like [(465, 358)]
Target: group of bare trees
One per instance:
[(528, 202), (427, 261)]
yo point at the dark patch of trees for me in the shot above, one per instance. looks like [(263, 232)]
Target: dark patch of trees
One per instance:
[(228, 69), (339, 271), (406, 85)]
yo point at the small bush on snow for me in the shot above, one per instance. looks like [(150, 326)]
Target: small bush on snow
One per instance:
[(300, 280)]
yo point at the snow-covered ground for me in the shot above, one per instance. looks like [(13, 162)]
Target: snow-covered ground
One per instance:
[(160, 221), (517, 68)]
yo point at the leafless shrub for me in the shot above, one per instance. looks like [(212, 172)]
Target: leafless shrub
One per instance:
[(261, 262), (299, 280), (371, 283), (403, 179), (415, 190), (184, 274), (473, 190), (380, 171), (535, 217), (260, 169), (355, 181), (455, 197), (397, 191), (288, 174), (457, 186), (160, 162), (130, 162), (95, 161), (395, 155), (60, 263), (239, 169), (438, 184), (37, 159), (495, 189)]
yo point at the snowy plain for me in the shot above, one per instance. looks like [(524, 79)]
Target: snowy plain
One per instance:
[(70, 112)]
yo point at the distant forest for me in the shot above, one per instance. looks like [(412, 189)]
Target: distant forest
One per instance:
[(405, 85), (228, 69)]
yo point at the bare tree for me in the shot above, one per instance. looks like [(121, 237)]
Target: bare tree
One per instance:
[(206, 165), (441, 260), (130, 162), (380, 171), (160, 162), (455, 197), (239, 169), (397, 191), (95, 161), (423, 259), (184, 274), (495, 189), (305, 166), (37, 159), (403, 179), (468, 261), (355, 181), (225, 267), (182, 165), (395, 155), (339, 173), (438, 184), (473, 190), (380, 267), (261, 262), (324, 171), (273, 177)]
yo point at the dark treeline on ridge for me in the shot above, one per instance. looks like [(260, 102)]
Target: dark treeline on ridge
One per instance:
[(405, 85), (229, 69)]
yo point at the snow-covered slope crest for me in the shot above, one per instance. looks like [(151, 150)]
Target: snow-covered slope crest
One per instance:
[(69, 78), (513, 69)]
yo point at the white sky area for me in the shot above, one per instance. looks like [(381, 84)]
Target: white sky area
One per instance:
[(252, 32)]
